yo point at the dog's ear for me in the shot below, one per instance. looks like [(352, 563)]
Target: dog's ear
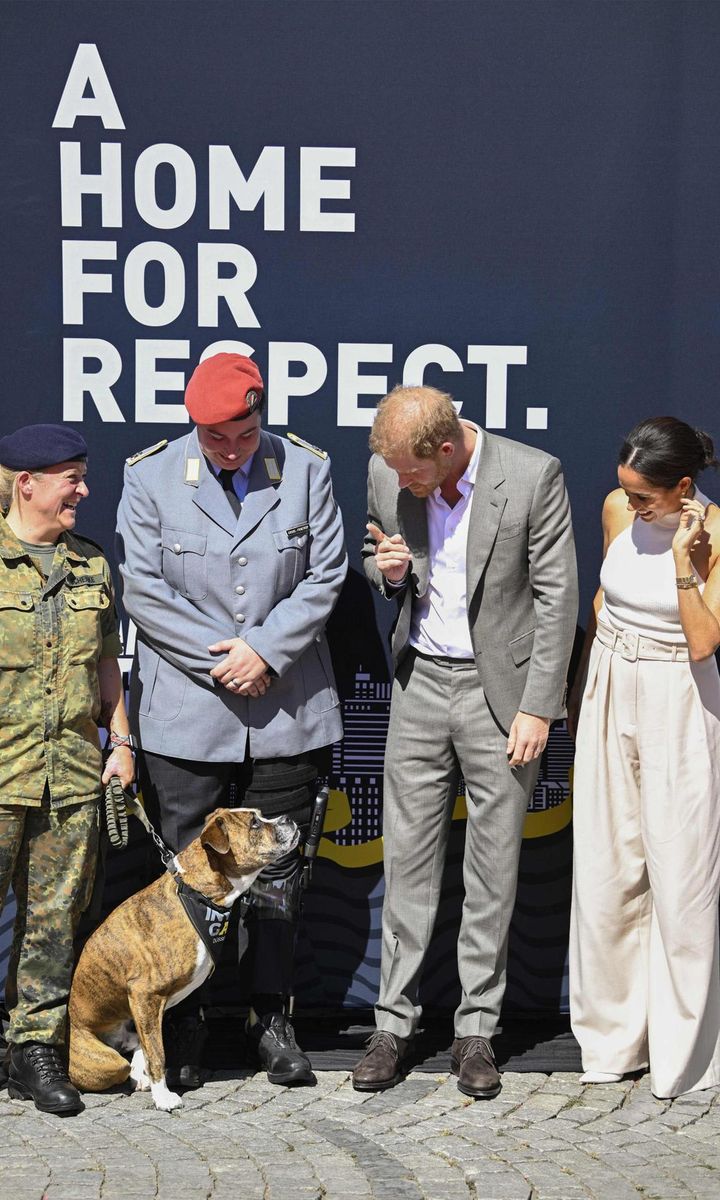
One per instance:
[(214, 833)]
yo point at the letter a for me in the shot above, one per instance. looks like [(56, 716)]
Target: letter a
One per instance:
[(87, 69)]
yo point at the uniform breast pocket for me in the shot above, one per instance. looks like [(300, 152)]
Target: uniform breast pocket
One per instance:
[(291, 545), (184, 562), (17, 630), (82, 625)]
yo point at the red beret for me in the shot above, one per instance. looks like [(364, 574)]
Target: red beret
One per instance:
[(226, 387)]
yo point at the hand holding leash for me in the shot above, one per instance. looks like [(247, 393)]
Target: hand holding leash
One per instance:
[(120, 764)]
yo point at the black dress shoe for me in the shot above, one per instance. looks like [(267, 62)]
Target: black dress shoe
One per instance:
[(184, 1039), (37, 1073), (272, 1038), (473, 1061), (382, 1065)]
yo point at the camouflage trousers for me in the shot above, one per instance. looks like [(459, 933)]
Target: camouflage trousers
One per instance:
[(49, 856)]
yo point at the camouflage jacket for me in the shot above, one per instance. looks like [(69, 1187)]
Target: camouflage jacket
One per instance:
[(51, 640)]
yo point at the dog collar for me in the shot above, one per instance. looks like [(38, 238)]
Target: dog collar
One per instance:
[(210, 922)]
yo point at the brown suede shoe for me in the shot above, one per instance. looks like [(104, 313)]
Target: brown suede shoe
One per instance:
[(381, 1066), (474, 1064)]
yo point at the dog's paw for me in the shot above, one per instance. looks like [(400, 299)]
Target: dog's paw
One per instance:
[(139, 1078), (164, 1099)]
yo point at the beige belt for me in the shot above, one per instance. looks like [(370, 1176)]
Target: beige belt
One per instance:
[(633, 646)]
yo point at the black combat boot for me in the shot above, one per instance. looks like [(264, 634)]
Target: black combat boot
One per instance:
[(184, 1038), (37, 1072), (272, 1038)]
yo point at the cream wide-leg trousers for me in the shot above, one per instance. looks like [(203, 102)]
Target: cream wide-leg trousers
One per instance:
[(644, 939)]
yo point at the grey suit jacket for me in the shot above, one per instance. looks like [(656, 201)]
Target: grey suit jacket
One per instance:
[(521, 573), (193, 574)]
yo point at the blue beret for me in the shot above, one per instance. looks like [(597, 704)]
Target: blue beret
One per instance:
[(36, 446)]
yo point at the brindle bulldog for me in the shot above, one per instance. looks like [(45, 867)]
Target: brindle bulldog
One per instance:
[(148, 955)]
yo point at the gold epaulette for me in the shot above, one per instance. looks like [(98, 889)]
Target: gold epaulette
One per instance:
[(298, 441), (141, 454)]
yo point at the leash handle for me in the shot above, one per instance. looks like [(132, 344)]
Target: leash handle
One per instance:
[(116, 813)]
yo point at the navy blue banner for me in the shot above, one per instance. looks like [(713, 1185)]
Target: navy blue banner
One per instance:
[(514, 201)]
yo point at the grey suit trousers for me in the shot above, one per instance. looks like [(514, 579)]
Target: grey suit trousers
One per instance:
[(440, 724)]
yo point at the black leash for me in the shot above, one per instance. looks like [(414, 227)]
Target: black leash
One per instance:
[(118, 801)]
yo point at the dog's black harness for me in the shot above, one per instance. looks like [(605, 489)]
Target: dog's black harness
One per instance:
[(210, 922)]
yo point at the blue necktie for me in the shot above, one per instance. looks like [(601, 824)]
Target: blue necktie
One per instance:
[(226, 480)]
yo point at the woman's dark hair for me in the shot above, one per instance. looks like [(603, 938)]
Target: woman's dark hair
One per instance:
[(663, 450)]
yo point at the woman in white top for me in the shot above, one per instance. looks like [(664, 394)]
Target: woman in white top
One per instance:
[(644, 944)]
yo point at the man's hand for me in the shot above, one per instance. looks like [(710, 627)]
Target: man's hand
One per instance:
[(242, 671), (392, 554), (528, 738)]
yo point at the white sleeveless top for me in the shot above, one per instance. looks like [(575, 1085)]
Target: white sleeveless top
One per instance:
[(638, 579)]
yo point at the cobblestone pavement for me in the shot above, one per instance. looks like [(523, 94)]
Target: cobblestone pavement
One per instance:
[(240, 1138)]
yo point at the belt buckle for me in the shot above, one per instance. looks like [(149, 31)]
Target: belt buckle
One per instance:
[(630, 645)]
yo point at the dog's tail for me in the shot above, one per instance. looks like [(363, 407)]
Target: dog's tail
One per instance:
[(94, 1066)]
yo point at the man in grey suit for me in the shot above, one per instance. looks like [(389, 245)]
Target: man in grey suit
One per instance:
[(232, 559), (472, 534)]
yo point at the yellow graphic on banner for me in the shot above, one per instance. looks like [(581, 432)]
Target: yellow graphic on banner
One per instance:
[(551, 820), (370, 853), (338, 815)]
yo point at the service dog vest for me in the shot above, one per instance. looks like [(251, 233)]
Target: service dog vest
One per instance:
[(210, 922)]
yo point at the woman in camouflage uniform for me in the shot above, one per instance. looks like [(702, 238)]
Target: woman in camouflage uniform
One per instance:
[(59, 679)]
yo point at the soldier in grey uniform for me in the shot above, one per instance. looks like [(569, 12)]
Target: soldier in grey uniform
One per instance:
[(232, 559)]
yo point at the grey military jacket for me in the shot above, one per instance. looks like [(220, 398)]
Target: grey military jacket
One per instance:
[(193, 574)]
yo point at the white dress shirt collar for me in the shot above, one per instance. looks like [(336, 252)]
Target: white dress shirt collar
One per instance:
[(466, 482)]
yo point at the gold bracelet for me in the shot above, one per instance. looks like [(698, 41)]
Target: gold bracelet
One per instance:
[(684, 582)]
